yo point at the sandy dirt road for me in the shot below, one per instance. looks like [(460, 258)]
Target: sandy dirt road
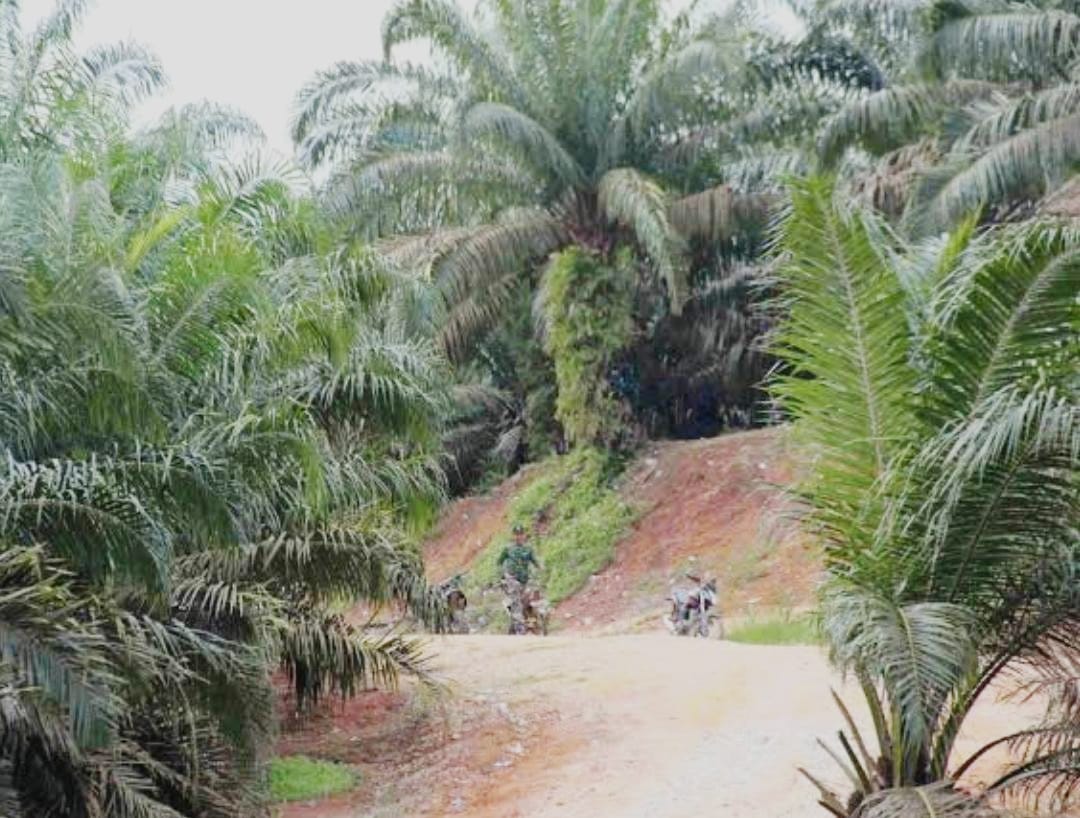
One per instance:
[(652, 726)]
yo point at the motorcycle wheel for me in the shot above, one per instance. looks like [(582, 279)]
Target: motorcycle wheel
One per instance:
[(703, 627)]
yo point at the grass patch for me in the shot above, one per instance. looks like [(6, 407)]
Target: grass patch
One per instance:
[(784, 630), (299, 778), (572, 500)]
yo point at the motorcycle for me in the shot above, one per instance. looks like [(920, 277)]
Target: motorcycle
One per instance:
[(528, 610), (456, 603), (692, 611)]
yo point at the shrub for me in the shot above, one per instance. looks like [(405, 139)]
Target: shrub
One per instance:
[(588, 313)]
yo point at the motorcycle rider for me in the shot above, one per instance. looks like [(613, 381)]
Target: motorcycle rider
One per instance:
[(456, 603), (517, 559), (687, 601)]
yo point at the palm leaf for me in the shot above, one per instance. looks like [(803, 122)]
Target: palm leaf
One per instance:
[(631, 199), (892, 116), (526, 135), (1017, 40), (718, 214), (1021, 166), (443, 22), (846, 330), (921, 652)]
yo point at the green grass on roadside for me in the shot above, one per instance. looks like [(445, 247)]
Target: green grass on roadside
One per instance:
[(781, 630), (299, 778)]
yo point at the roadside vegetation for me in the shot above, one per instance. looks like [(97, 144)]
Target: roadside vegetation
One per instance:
[(781, 629), (299, 778), (232, 398), (936, 386)]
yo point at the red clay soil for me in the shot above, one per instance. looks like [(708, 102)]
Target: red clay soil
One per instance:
[(417, 752), (467, 525), (711, 507)]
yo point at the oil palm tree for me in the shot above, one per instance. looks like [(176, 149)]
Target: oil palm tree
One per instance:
[(206, 438), (537, 136), (934, 390), (591, 124), (977, 110)]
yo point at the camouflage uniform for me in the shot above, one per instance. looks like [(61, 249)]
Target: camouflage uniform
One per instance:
[(516, 560)]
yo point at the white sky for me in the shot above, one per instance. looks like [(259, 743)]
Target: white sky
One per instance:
[(250, 54)]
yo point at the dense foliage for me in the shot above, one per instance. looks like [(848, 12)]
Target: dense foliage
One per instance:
[(214, 424), (976, 105), (228, 404), (581, 124), (587, 326)]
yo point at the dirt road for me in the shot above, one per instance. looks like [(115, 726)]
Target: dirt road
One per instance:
[(651, 726), (637, 726)]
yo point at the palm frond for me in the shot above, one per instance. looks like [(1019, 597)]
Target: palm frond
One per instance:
[(324, 565), (49, 640), (526, 135), (444, 23), (478, 274), (324, 656), (629, 198), (893, 116), (127, 73), (998, 122), (717, 214), (358, 107), (1004, 313), (1021, 166), (846, 330), (412, 191), (665, 88), (83, 512), (1018, 40)]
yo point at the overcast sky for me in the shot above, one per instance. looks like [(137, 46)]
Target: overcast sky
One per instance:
[(251, 54)]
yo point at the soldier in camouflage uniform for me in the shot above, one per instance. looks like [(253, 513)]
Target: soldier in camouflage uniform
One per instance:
[(517, 559)]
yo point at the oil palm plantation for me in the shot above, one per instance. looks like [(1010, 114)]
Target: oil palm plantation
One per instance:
[(977, 107), (597, 125), (934, 391), (212, 426)]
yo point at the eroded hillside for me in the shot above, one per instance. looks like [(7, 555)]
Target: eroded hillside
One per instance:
[(713, 507)]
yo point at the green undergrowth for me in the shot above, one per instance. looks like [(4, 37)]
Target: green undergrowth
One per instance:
[(786, 629), (574, 515), (299, 778)]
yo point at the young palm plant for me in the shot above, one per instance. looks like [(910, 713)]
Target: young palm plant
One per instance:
[(934, 391)]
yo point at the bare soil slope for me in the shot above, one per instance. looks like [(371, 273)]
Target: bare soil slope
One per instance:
[(714, 507)]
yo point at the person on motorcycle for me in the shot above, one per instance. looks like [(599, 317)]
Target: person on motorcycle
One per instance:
[(687, 603), (456, 603), (516, 560)]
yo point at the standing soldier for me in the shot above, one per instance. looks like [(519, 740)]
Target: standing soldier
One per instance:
[(516, 560)]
